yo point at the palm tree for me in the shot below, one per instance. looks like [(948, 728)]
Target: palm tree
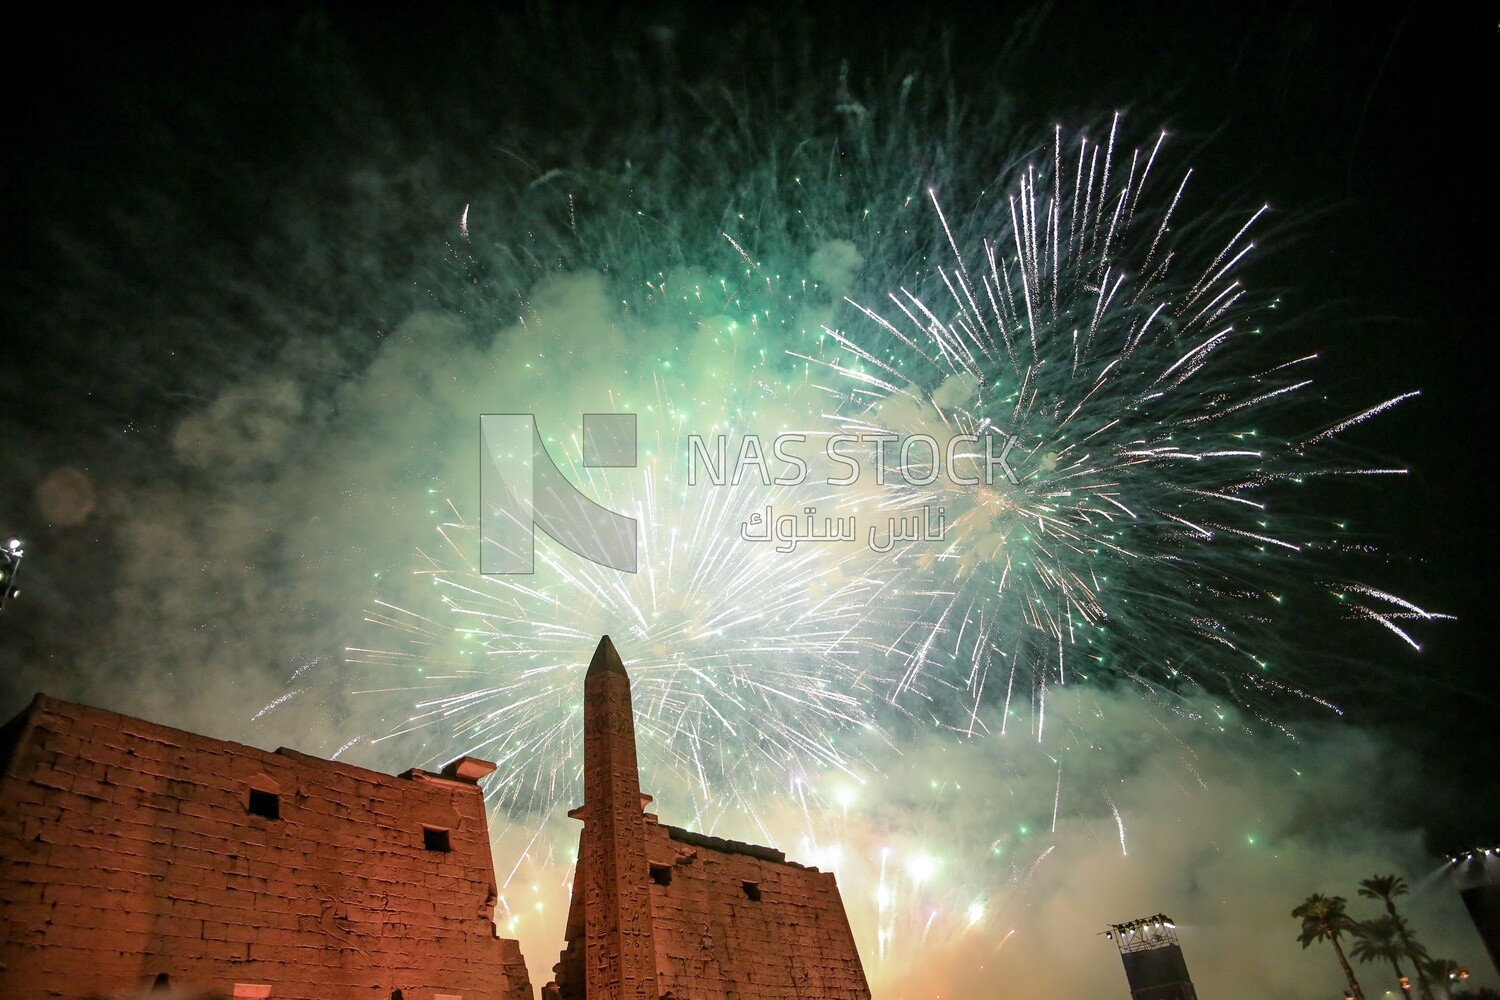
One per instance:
[(1323, 919), (1380, 940), (1443, 971), (1386, 888)]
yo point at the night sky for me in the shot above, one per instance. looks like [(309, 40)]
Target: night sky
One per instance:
[(222, 228)]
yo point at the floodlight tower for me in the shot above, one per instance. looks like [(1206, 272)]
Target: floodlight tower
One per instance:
[(1477, 870), (1154, 966), (10, 564)]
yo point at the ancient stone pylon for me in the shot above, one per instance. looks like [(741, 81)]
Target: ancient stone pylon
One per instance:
[(620, 953)]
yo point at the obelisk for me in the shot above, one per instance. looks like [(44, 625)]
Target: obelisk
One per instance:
[(620, 952)]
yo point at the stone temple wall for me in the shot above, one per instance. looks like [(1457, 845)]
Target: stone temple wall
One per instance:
[(130, 850), (738, 922)]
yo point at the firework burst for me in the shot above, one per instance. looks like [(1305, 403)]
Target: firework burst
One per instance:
[(744, 659), (1149, 533)]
